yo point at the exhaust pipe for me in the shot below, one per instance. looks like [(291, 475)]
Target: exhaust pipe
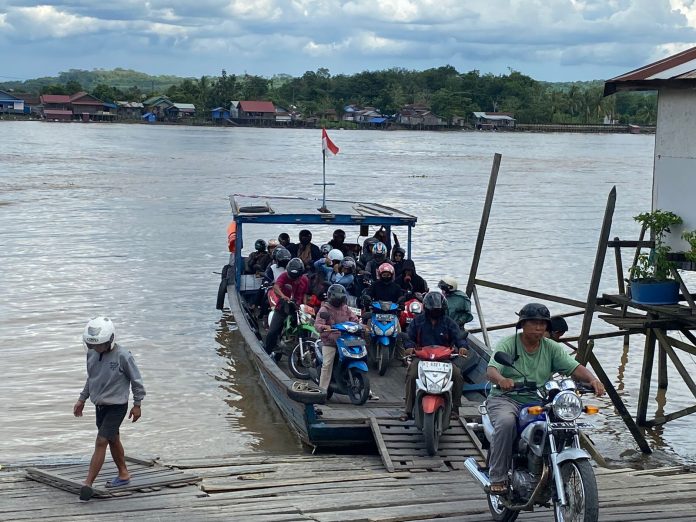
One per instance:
[(481, 477)]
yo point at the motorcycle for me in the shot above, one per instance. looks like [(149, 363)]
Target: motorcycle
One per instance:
[(384, 333), (548, 465), (297, 335), (349, 375), (412, 308), (433, 404)]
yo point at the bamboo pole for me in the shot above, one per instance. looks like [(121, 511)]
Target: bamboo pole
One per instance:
[(584, 348)]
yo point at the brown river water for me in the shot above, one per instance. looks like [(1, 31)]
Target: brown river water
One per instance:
[(129, 221)]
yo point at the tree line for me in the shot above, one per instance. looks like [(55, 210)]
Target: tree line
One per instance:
[(447, 92)]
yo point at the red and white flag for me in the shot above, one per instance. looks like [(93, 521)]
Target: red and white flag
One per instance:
[(327, 144)]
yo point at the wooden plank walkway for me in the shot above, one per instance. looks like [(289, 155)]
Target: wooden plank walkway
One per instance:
[(402, 447), (144, 475), (326, 488)]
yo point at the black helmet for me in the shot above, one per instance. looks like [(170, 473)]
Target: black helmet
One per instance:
[(558, 324), (336, 295), (534, 311), (281, 254), (260, 245), (408, 264), (435, 305), (325, 249), (398, 250), (295, 268)]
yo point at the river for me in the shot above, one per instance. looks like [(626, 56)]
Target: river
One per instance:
[(129, 221)]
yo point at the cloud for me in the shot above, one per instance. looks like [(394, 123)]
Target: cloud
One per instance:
[(555, 39)]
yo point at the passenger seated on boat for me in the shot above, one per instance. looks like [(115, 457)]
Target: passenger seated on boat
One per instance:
[(409, 280), (257, 261), (379, 256), (398, 256), (384, 288), (366, 255), (330, 264), (307, 251), (299, 284), (338, 312), (433, 328), (284, 240), (458, 303), (346, 277), (338, 242)]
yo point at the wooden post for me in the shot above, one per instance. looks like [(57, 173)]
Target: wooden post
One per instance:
[(618, 404), (482, 320), (484, 224), (661, 365), (583, 351), (646, 375), (621, 283), (684, 289)]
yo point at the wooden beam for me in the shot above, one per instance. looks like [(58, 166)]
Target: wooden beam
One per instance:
[(618, 404), (630, 244), (683, 372), (661, 366), (684, 290), (485, 214), (584, 348), (544, 296), (646, 376), (619, 266), (681, 345), (672, 416)]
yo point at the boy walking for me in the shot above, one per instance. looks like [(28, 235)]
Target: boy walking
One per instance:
[(111, 370)]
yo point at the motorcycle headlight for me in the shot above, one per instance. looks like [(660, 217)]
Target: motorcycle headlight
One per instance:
[(353, 353), (390, 331), (567, 406)]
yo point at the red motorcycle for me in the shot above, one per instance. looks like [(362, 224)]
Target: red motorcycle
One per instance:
[(412, 308), (433, 405)]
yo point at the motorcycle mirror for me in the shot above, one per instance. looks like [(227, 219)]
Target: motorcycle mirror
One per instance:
[(325, 316), (503, 358)]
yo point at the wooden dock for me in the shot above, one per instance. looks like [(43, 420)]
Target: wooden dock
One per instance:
[(326, 488)]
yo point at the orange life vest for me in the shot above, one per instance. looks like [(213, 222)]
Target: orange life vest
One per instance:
[(232, 236)]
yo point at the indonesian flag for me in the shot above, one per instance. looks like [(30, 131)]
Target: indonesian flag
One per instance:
[(327, 144)]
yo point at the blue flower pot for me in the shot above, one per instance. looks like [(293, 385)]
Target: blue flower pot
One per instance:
[(645, 291)]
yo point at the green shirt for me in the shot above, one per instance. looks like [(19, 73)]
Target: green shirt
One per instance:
[(538, 366)]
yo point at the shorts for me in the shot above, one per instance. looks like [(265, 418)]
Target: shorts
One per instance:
[(109, 419)]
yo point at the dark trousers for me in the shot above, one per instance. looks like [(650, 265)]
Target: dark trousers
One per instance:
[(412, 375), (274, 330)]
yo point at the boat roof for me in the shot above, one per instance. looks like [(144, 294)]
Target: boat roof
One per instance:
[(296, 210)]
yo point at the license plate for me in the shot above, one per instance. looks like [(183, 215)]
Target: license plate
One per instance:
[(384, 318), (435, 366)]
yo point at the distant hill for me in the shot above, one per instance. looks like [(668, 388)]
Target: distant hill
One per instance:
[(122, 79)]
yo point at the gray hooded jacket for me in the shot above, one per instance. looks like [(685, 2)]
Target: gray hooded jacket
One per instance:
[(109, 377)]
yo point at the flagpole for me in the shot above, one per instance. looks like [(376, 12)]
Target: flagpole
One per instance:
[(323, 169)]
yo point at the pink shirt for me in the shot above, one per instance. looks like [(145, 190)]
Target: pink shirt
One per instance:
[(299, 287)]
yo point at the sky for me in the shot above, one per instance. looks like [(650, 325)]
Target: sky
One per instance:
[(549, 40)]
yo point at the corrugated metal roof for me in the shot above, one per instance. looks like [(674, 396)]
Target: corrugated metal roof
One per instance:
[(493, 117), (55, 98), (257, 106), (680, 67), (185, 106)]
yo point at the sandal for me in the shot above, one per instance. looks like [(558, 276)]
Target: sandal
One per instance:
[(405, 417), (498, 488)]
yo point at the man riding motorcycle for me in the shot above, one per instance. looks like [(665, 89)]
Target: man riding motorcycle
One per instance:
[(433, 328), (538, 358)]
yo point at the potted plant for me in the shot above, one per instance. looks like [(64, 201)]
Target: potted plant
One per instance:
[(651, 276), (690, 237)]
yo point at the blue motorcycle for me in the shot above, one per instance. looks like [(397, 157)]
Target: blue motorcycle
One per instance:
[(384, 331), (349, 376)]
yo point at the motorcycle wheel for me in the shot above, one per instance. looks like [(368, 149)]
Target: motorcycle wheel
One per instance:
[(358, 387), (432, 429), (298, 366), (580, 487), (382, 361), (499, 512)]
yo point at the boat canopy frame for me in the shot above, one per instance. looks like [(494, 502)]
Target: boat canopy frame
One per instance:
[(288, 210)]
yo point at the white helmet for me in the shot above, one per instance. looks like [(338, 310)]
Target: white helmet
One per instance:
[(335, 255), (99, 330), (448, 284)]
